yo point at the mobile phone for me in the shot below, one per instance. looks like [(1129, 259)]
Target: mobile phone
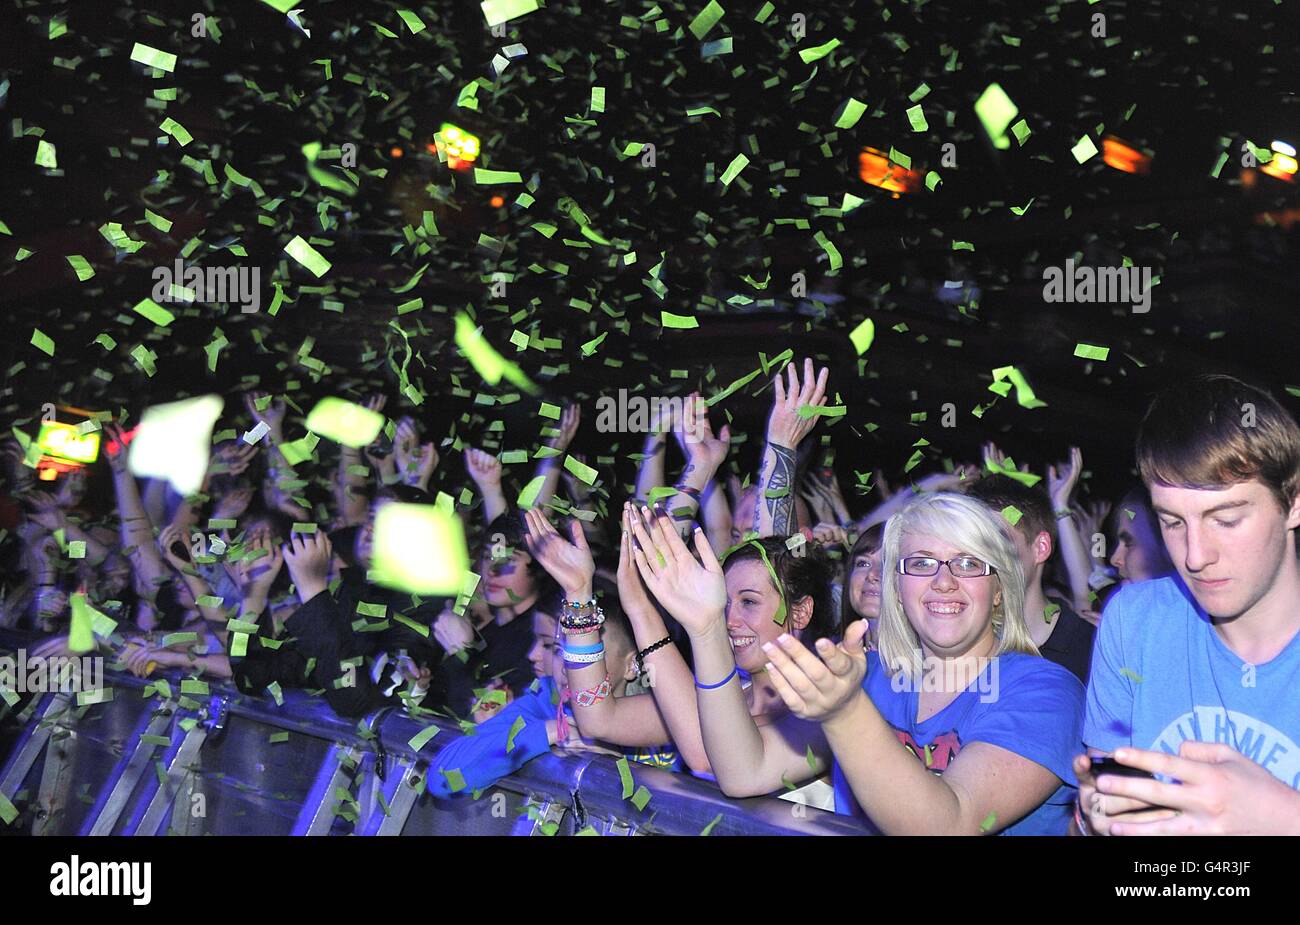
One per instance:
[(1109, 765)]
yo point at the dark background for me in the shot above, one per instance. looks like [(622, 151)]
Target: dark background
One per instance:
[(1185, 80)]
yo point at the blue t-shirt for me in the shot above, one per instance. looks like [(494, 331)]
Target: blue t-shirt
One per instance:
[(1022, 703), (1161, 675)]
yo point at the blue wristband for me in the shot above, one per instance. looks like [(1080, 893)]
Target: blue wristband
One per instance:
[(577, 650), (710, 687)]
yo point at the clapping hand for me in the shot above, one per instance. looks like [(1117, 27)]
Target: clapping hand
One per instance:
[(569, 563), (694, 593), (819, 687)]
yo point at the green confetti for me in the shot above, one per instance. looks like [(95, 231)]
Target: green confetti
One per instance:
[(176, 130), (809, 55), (738, 163), (46, 155), (1131, 675), (82, 267), (822, 411), (455, 779), (989, 822), (308, 256), (832, 252), (641, 798), (278, 737), (153, 57), (487, 177), (421, 738), (1021, 131), (708, 829), (850, 113), (516, 728), (499, 11), (413, 22), (811, 758), (42, 342), (916, 116), (581, 470), (1084, 149), (863, 336), (1090, 352), (706, 19), (154, 312), (995, 111), (681, 322), (625, 775), (1012, 514)]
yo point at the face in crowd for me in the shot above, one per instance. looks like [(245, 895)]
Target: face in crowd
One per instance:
[(950, 615), (752, 604), (506, 577), (1139, 550), (864, 583), (1230, 545)]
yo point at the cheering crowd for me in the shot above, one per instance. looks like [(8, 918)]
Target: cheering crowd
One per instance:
[(979, 652)]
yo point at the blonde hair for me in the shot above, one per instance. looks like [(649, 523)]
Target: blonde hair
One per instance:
[(974, 529)]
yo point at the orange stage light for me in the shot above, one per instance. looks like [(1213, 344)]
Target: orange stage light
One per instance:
[(875, 169), (395, 151), (497, 201), (1123, 156)]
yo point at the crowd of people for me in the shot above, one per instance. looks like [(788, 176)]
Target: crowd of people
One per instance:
[(979, 652)]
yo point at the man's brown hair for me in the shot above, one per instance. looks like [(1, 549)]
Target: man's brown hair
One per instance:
[(1214, 431)]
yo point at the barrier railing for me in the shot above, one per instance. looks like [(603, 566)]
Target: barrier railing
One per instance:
[(171, 759)]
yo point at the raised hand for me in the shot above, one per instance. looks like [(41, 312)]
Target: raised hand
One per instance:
[(1092, 517), (483, 468), (309, 557), (785, 427), (115, 448), (569, 563), (695, 434), (1062, 479), (232, 458), (569, 420), (632, 593), (170, 536), (819, 687), (255, 575), (694, 593), (453, 631), (272, 415)]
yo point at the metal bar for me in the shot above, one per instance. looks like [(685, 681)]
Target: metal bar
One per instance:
[(130, 773), (399, 810), (165, 795), (33, 742), (317, 816)]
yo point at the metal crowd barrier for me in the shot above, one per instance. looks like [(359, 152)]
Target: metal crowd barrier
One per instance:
[(228, 764)]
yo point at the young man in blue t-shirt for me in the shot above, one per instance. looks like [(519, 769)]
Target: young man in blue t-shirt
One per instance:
[(1194, 676)]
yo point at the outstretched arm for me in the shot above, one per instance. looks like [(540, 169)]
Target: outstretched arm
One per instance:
[(774, 514)]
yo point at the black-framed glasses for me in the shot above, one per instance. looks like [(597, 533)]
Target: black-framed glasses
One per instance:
[(958, 566)]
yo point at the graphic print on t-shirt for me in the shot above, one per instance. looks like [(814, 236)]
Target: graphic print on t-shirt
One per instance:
[(942, 750), (1257, 740)]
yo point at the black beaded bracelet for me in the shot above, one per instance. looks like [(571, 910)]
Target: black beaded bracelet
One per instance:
[(653, 647)]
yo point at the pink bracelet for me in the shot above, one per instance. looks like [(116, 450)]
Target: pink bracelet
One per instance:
[(591, 695)]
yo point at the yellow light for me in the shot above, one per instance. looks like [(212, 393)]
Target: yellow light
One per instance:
[(62, 441), (461, 147), (1282, 166)]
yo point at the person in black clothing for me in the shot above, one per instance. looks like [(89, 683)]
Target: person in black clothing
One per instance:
[(1061, 634), (514, 586), (361, 659)]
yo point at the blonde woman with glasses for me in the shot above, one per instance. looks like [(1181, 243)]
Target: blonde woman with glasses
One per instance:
[(988, 727)]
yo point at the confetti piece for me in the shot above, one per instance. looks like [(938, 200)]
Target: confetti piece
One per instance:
[(42, 342), (1050, 612), (681, 322), (822, 411), (455, 779), (738, 163), (81, 635), (486, 177), (1025, 396), (419, 548), (308, 256), (46, 155), (1131, 675), (1090, 352), (1012, 514), (995, 111), (499, 11), (173, 442), (176, 130), (989, 822), (1084, 149), (916, 116), (580, 470), (528, 496), (625, 775), (832, 252), (277, 738), (153, 57), (863, 336), (708, 829), (850, 112), (706, 19), (1021, 131), (345, 422), (811, 758), (82, 267), (421, 738), (809, 55), (490, 365), (515, 728), (154, 312), (413, 22), (641, 798)]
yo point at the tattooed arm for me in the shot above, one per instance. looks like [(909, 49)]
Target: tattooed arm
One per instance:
[(774, 512), (705, 454)]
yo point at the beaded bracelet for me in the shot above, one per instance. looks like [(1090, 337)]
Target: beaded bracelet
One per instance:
[(653, 647), (580, 630), (578, 605)]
